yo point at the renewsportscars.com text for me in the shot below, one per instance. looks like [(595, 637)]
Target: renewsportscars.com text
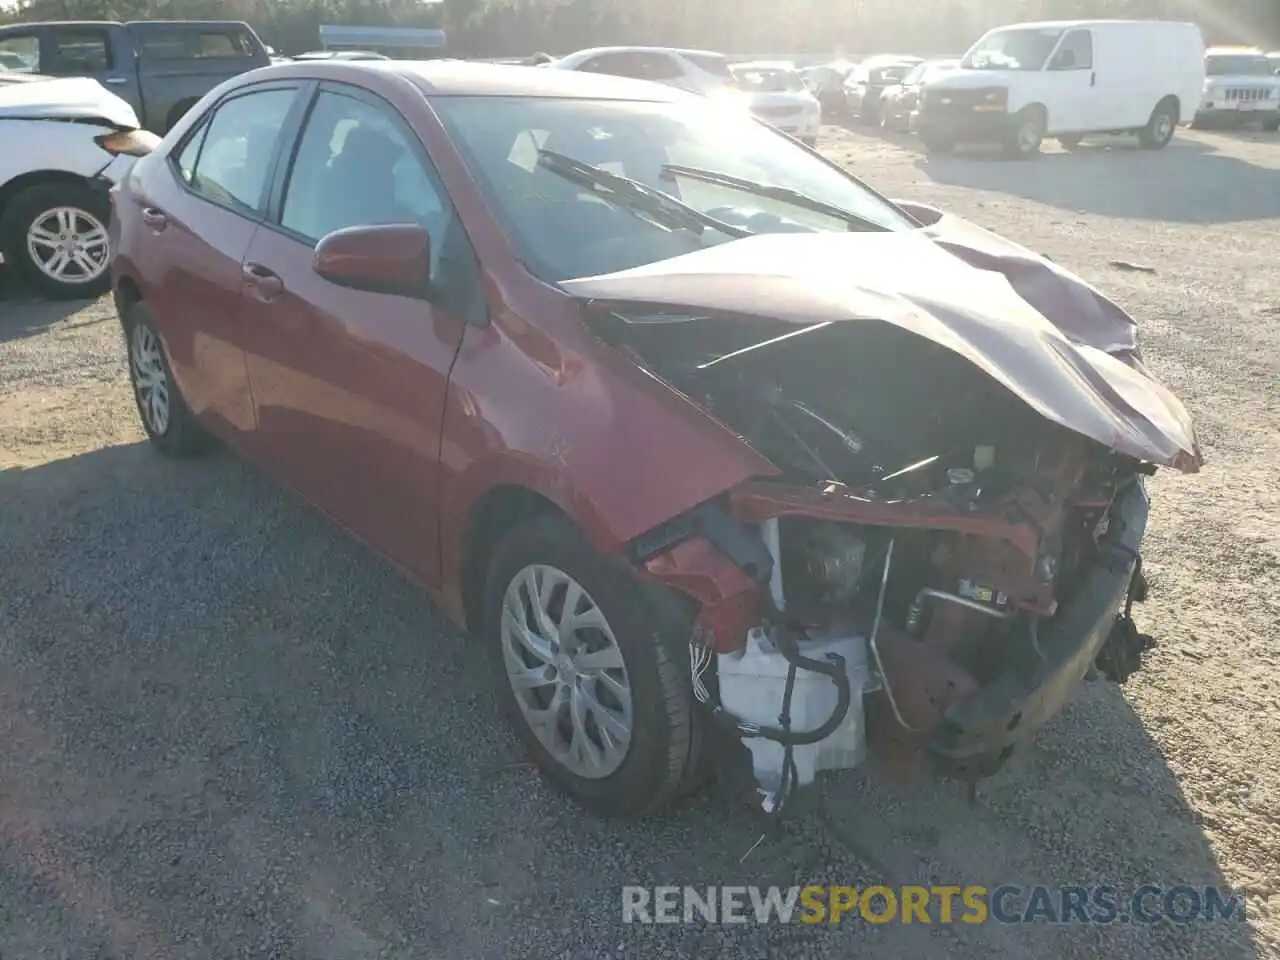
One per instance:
[(970, 904)]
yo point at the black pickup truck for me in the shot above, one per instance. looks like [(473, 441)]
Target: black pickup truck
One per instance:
[(161, 67)]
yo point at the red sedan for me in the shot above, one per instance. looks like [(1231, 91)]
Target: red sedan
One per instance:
[(726, 461)]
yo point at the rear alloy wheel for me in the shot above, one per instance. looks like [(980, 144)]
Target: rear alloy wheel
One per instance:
[(56, 236), (1026, 135), (169, 424), (1159, 129), (591, 672)]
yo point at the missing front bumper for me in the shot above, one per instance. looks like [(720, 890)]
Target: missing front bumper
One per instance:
[(976, 737)]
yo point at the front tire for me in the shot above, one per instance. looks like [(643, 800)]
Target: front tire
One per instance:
[(937, 143), (1026, 135), (1160, 127), (591, 670), (169, 423), (55, 236)]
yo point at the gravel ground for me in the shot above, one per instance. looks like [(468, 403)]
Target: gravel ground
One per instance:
[(226, 730)]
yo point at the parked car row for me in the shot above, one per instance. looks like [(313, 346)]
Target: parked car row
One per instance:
[(1020, 84)]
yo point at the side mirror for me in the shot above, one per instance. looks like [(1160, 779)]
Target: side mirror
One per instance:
[(395, 258)]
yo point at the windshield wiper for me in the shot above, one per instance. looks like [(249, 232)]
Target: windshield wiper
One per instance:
[(660, 207), (773, 192)]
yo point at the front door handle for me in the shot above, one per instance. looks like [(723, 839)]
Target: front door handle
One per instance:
[(265, 283), (155, 218), (1093, 79)]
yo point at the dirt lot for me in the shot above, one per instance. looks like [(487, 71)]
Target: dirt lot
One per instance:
[(226, 730)]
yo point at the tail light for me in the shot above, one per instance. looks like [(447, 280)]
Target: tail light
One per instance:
[(130, 143)]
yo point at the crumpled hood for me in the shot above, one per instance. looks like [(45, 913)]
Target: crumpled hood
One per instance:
[(72, 98), (1043, 333)]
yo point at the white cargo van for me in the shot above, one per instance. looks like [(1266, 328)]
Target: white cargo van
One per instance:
[(1066, 79)]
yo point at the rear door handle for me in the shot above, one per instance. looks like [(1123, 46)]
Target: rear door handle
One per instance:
[(1093, 79), (266, 283), (155, 219)]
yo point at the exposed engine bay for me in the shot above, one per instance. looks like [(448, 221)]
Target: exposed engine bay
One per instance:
[(926, 533)]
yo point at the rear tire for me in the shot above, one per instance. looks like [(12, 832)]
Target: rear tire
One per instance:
[(639, 639), (1160, 127), (55, 236), (169, 424)]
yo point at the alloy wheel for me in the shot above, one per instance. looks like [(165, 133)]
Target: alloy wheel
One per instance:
[(1163, 127), (68, 245), (567, 671), (150, 382)]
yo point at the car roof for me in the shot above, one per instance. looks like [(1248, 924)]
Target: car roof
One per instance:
[(889, 59), (786, 66), (580, 55), (474, 79), (1083, 24)]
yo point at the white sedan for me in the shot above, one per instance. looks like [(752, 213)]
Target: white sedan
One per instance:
[(777, 94), (66, 142)]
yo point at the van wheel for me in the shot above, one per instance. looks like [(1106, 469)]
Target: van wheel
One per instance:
[(1159, 129), (591, 670), (935, 143), (1027, 133)]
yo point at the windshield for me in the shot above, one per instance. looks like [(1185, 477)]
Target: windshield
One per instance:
[(768, 80), (916, 74), (1238, 65), (564, 229), (892, 74), (1026, 49)]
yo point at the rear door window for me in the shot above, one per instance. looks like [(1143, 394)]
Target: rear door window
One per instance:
[(196, 44), (616, 65), (238, 145), (76, 53)]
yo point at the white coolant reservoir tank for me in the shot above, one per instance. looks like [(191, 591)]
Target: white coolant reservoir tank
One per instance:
[(753, 683)]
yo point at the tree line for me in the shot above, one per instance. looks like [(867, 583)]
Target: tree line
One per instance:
[(498, 28)]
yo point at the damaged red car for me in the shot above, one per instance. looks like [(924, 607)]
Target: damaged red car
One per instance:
[(725, 461)]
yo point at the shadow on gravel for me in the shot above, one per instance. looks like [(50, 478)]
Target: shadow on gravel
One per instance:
[(24, 313), (227, 730), (1189, 182)]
